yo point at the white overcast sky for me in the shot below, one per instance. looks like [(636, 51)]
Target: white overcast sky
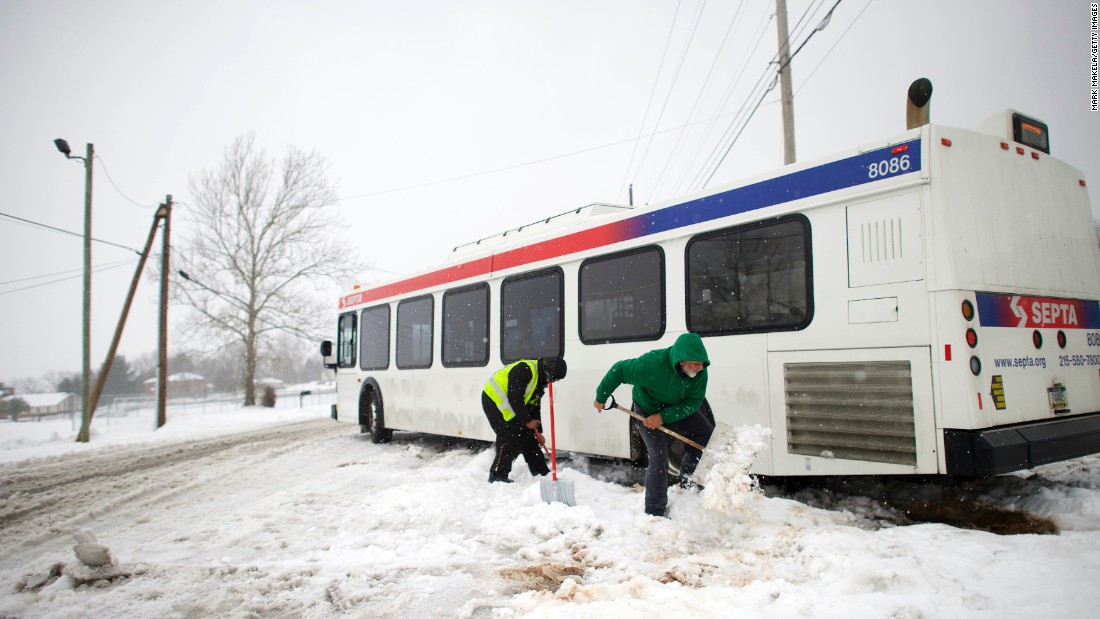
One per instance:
[(445, 121)]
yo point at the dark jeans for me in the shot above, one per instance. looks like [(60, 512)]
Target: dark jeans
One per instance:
[(696, 427), (513, 440)]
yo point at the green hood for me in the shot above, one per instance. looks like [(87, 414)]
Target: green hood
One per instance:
[(688, 347)]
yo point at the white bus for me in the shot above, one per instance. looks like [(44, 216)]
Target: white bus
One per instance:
[(923, 304)]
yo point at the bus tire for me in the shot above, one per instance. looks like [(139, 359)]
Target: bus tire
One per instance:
[(372, 418), (676, 447)]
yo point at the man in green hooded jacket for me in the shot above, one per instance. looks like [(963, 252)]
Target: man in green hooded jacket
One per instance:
[(669, 387)]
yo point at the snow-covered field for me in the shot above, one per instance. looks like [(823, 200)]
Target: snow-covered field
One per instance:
[(285, 513)]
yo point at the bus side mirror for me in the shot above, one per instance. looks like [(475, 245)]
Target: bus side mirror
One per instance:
[(327, 359)]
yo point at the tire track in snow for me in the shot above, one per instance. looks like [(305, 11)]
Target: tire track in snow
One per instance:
[(44, 499)]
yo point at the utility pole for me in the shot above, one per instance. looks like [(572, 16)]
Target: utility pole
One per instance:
[(85, 402), (165, 211), (786, 96), (106, 368)]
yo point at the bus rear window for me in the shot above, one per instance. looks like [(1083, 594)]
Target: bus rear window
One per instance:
[(750, 278)]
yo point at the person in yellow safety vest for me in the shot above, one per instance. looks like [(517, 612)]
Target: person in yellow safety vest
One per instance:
[(512, 401)]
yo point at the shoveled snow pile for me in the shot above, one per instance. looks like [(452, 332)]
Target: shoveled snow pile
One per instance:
[(727, 486)]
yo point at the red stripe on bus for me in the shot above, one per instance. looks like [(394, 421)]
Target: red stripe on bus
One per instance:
[(520, 256), (473, 268), (561, 246)]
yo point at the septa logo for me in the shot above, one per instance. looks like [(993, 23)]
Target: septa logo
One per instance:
[(999, 310)]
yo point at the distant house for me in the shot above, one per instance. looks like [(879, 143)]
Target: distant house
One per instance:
[(181, 385), (50, 403)]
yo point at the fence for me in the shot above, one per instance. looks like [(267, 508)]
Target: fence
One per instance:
[(115, 406)]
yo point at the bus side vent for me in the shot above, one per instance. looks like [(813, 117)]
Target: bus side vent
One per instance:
[(854, 411), (881, 241), (885, 243)]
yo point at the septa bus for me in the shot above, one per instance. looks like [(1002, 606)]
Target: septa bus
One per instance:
[(922, 304)]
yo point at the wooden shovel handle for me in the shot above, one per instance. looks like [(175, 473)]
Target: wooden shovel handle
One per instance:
[(675, 435)]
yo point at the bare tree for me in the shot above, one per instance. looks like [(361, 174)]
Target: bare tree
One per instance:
[(262, 240)]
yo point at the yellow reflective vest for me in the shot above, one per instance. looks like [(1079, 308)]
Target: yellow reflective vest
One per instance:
[(497, 387)]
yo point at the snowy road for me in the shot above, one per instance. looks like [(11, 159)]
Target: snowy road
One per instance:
[(136, 484), (310, 519)]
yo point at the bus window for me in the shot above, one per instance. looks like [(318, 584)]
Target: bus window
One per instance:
[(622, 297), (414, 332), (345, 352), (374, 352), (751, 278), (531, 316), (466, 326)]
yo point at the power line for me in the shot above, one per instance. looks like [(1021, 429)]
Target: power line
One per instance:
[(707, 81), (649, 104), (103, 166), (64, 279), (69, 232), (724, 101), (821, 26), (675, 79), (65, 272), (463, 177), (841, 38)]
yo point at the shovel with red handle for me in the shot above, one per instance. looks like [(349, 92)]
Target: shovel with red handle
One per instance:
[(554, 489)]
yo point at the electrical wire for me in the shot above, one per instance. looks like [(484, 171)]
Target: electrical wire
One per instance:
[(649, 104), (761, 31), (675, 79), (837, 42), (821, 26), (65, 272), (69, 232), (65, 279), (103, 166), (707, 81), (751, 96)]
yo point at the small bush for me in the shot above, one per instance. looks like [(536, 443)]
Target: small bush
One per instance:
[(268, 397)]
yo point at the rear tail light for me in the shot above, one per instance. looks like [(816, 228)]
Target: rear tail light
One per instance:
[(975, 366), (971, 338), (1061, 339), (1037, 339)]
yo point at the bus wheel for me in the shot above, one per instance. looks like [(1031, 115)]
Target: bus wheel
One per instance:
[(676, 448), (372, 419)]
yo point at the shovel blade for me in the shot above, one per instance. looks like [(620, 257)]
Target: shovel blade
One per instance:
[(723, 435), (558, 491)]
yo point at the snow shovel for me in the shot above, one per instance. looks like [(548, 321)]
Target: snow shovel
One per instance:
[(554, 489), (723, 434)]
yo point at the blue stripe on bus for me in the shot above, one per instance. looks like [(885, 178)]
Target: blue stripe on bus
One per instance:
[(851, 172), (814, 181)]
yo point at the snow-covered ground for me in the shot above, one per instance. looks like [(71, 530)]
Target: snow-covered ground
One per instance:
[(285, 513)]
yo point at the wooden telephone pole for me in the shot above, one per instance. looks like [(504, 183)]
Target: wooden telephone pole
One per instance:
[(164, 213), (786, 96)]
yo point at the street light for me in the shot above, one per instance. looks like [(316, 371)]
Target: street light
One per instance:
[(86, 417)]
